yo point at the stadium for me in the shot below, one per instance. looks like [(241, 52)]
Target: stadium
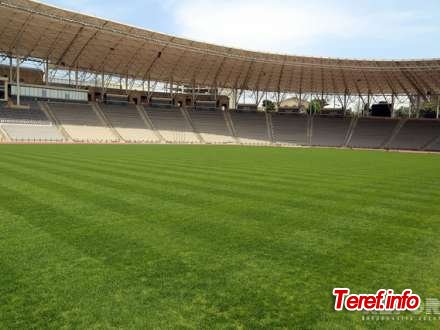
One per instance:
[(153, 181)]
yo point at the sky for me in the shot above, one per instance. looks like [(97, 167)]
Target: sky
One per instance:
[(380, 29)]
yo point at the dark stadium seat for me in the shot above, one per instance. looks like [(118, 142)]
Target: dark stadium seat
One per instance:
[(435, 145), (211, 125), (416, 134), (290, 128), (251, 127), (372, 132), (330, 131), (172, 125), (31, 115)]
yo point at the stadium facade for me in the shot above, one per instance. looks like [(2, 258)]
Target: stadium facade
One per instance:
[(102, 81)]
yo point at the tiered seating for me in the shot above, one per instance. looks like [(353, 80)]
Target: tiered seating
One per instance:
[(290, 128), (33, 115), (172, 125), (416, 134), (81, 122), (211, 125), (372, 132), (330, 131), (435, 146), (32, 133), (250, 127), (128, 123)]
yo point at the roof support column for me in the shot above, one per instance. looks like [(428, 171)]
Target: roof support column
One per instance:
[(148, 89), (18, 81), (76, 78), (345, 103), (11, 72), (438, 107), (46, 72), (418, 106), (171, 88), (392, 105), (236, 97), (102, 86), (193, 92), (367, 105)]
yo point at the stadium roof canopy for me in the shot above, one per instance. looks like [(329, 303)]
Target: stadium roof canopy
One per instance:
[(72, 40)]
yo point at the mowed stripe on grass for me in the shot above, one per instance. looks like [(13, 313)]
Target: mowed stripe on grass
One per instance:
[(210, 236)]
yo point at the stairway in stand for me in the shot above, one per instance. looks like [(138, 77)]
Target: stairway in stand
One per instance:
[(230, 126), (191, 124), (44, 106), (104, 120), (149, 123)]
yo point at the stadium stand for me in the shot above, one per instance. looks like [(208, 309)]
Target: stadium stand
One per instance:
[(3, 135), (372, 132), (32, 115), (230, 125), (416, 134), (171, 124), (250, 127), (191, 125), (290, 128), (105, 123), (330, 131), (192, 104), (128, 123), (434, 145), (81, 122), (211, 126), (32, 133), (269, 126)]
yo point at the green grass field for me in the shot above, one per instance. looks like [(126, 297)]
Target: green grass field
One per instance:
[(211, 236)]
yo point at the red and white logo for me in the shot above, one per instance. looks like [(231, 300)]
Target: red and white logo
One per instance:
[(383, 300)]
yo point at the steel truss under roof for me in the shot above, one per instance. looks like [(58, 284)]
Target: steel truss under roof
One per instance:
[(71, 40)]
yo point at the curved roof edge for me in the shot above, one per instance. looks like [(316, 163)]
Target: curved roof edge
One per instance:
[(261, 51), (75, 40)]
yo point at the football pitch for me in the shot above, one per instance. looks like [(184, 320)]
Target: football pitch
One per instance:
[(211, 236)]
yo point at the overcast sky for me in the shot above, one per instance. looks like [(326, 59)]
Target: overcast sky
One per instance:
[(340, 28)]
